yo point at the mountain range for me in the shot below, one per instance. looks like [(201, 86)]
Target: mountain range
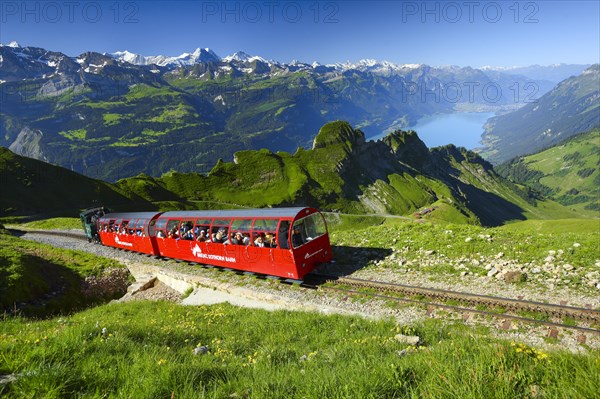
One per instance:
[(116, 115), (572, 107)]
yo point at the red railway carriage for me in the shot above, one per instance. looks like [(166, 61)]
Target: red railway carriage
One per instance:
[(285, 242), (128, 231)]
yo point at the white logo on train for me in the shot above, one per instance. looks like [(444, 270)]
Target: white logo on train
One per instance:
[(127, 244), (197, 252)]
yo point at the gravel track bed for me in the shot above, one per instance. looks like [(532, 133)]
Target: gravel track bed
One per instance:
[(311, 300)]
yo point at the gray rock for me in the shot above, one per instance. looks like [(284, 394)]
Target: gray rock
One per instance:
[(201, 350), (493, 271), (401, 353), (407, 339)]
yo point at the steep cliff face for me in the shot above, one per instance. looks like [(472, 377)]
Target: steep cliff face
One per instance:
[(27, 144)]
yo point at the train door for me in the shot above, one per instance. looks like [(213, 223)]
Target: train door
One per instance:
[(283, 259)]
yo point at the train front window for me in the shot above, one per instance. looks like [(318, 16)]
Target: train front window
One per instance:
[(307, 229)]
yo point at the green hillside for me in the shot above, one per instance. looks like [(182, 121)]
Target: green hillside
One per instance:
[(342, 172), (30, 186), (567, 172)]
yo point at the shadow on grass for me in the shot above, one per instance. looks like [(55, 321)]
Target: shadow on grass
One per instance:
[(348, 260), (35, 287)]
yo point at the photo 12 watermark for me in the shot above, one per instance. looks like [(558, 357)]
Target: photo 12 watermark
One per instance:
[(470, 11), (53, 12), (270, 12)]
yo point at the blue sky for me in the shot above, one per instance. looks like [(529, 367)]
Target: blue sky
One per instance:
[(475, 33)]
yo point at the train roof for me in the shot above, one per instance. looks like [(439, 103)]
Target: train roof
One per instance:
[(242, 213), (130, 215)]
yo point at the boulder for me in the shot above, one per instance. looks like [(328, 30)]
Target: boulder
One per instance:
[(407, 339), (515, 277)]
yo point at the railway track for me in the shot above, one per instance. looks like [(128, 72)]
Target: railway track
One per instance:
[(514, 305), (407, 294), (77, 236), (432, 298)]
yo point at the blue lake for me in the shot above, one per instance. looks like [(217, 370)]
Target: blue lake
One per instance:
[(463, 129)]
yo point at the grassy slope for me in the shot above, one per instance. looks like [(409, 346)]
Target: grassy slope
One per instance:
[(30, 272), (32, 186), (567, 172), (525, 243), (147, 350)]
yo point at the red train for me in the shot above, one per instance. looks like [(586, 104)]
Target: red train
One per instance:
[(284, 242)]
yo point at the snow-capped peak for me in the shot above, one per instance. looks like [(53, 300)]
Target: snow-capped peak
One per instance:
[(244, 57), (13, 44), (199, 55)]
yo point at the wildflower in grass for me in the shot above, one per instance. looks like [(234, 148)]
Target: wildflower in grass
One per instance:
[(161, 362)]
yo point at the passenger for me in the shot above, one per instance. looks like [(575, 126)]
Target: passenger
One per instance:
[(297, 237), (189, 235), (282, 237), (260, 241), (237, 239), (202, 236), (246, 239), (270, 241), (220, 236), (160, 234)]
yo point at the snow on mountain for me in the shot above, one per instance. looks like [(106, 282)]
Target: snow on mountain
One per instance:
[(371, 65), (244, 57), (552, 73), (199, 55)]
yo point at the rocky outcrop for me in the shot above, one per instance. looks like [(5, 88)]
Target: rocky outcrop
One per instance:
[(27, 144)]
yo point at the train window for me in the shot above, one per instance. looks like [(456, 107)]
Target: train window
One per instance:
[(159, 228), (123, 226), (130, 228), (111, 226), (219, 234), (152, 228), (187, 230), (139, 227), (219, 230), (283, 234), (264, 232), (202, 229), (307, 229), (265, 224), (240, 231), (221, 222), (172, 228)]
